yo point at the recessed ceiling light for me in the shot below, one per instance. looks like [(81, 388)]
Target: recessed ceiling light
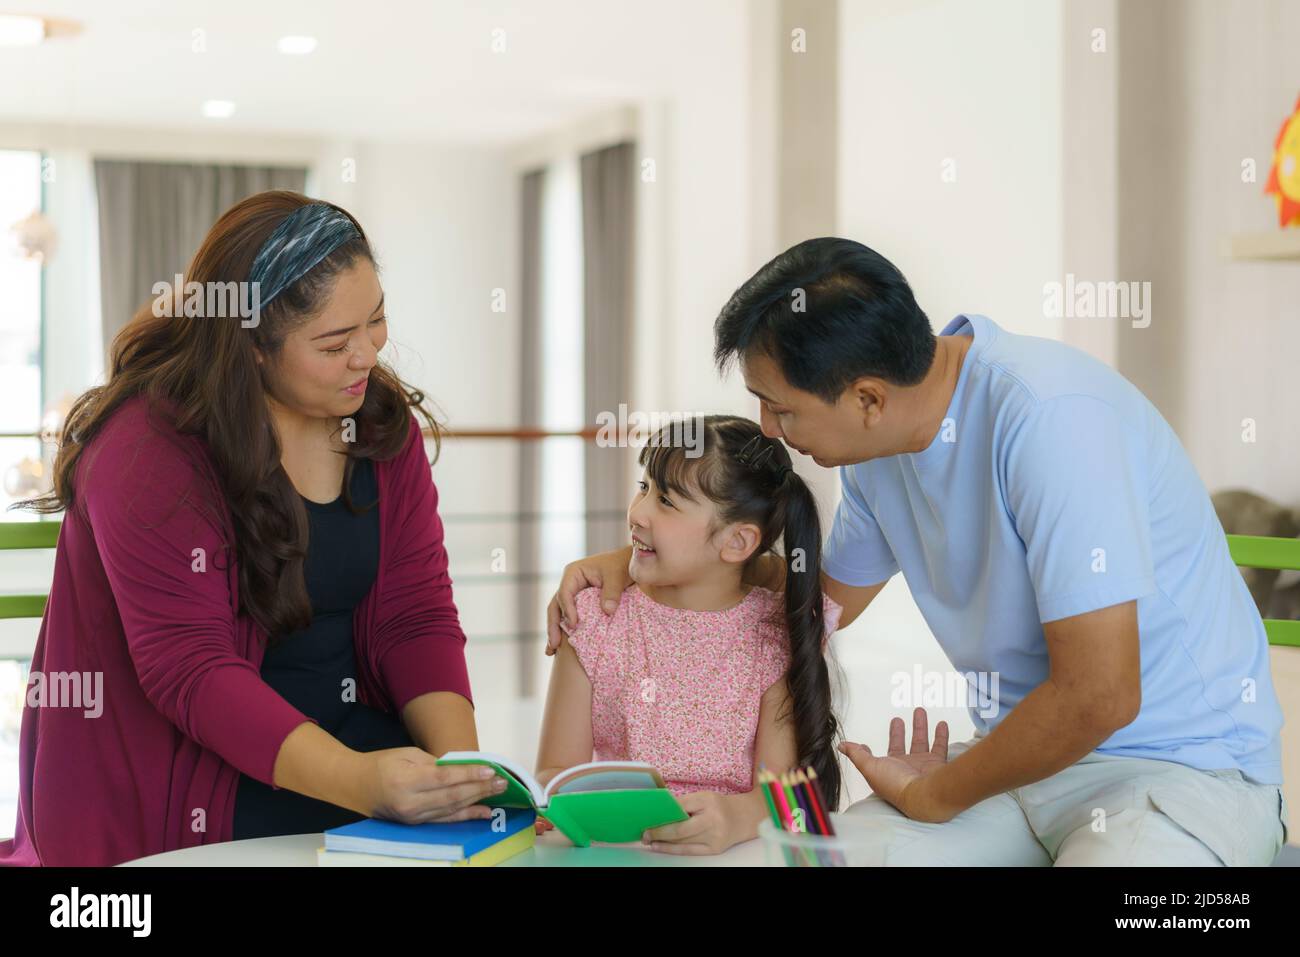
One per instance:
[(297, 46), (218, 109), (17, 30)]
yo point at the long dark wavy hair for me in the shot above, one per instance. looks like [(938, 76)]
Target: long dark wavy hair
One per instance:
[(783, 507), (212, 387)]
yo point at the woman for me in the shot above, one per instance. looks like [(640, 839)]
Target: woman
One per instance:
[(251, 558)]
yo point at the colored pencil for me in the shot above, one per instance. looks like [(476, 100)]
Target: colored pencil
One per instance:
[(821, 801)]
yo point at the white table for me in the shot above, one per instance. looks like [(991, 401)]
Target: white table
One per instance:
[(551, 850)]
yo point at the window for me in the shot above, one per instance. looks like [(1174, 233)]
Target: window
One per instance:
[(562, 493), (20, 412), (20, 325)]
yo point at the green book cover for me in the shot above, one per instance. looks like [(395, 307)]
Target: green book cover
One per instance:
[(609, 801)]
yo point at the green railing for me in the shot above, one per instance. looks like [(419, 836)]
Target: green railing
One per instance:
[(18, 535), (1255, 551)]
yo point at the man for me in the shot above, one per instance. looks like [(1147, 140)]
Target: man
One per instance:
[(1055, 536)]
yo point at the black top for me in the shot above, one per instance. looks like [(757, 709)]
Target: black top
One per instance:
[(314, 668)]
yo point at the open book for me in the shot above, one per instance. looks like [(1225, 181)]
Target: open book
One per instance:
[(611, 801)]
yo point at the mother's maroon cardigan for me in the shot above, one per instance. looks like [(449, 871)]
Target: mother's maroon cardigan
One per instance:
[(184, 706)]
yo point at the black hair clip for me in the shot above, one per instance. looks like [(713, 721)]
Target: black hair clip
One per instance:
[(757, 455)]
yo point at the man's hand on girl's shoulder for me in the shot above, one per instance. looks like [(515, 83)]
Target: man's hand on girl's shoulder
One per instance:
[(606, 571)]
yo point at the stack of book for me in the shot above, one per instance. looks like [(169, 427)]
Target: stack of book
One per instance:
[(482, 842)]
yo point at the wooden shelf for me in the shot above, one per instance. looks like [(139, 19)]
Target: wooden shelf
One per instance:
[(1279, 245)]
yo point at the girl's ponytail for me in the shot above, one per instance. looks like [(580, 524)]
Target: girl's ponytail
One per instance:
[(816, 727)]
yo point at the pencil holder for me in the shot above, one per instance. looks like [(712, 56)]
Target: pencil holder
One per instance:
[(852, 846)]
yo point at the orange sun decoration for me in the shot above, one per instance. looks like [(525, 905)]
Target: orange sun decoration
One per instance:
[(1284, 179)]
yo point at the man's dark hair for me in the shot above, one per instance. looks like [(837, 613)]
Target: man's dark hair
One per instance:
[(828, 311)]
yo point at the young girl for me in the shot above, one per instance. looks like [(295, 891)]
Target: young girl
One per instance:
[(697, 673)]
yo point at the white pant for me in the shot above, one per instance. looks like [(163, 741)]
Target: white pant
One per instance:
[(1102, 810)]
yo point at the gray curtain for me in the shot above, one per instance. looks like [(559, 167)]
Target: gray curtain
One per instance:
[(528, 550), (608, 206), (153, 217)]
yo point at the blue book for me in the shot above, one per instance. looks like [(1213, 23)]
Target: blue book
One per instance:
[(454, 841)]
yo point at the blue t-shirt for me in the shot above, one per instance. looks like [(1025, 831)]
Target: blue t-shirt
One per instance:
[(1055, 488)]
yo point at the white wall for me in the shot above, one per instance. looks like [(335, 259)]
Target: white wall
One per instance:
[(700, 136), (978, 84), (1240, 76)]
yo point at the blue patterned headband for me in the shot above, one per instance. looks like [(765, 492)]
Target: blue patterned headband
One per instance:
[(299, 243)]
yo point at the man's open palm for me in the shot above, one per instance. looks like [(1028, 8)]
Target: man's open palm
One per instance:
[(891, 774)]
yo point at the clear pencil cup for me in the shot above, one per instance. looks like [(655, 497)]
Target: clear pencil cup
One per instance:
[(854, 845)]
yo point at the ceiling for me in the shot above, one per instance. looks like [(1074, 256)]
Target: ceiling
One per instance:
[(420, 71)]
